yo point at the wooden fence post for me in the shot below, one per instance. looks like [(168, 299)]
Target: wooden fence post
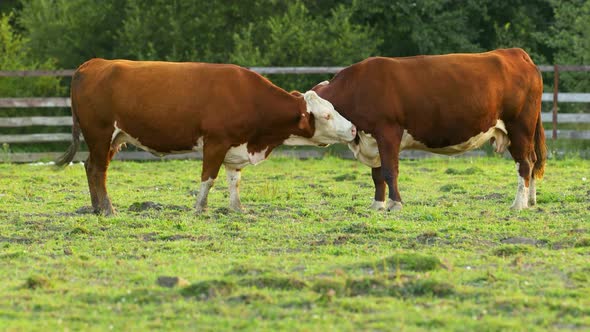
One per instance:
[(555, 93)]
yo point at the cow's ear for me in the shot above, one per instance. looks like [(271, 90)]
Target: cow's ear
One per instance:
[(311, 96), (305, 120)]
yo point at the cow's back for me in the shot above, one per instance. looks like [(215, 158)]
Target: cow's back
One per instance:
[(167, 106), (441, 100)]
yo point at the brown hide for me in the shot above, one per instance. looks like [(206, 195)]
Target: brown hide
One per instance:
[(168, 107), (441, 101)]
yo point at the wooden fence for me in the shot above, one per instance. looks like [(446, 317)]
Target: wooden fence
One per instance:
[(26, 121)]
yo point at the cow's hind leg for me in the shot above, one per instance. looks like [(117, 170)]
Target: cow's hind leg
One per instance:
[(532, 192), (523, 154), (213, 155), (96, 167), (379, 181), (522, 189), (233, 181)]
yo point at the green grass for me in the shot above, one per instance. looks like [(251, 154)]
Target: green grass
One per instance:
[(306, 255)]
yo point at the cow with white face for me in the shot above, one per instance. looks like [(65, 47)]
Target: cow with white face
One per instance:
[(233, 115), (330, 126)]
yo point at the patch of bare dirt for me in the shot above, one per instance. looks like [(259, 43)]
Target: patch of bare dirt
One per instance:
[(520, 240)]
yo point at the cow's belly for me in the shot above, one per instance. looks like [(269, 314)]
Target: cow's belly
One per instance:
[(236, 157), (367, 151), (120, 137)]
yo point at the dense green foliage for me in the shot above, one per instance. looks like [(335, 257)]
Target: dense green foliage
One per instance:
[(15, 54), (571, 39), (307, 255), (301, 32)]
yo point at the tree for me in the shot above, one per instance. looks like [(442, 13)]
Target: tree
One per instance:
[(299, 38), (199, 30), (410, 27), (570, 36), (7, 6), (519, 23), (15, 54), (71, 31)]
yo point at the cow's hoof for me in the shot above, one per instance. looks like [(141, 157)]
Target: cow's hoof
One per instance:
[(517, 206), (236, 208), (109, 213), (377, 205), (200, 209), (393, 205), (532, 201)]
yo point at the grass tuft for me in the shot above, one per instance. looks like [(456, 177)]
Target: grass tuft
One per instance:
[(37, 281), (243, 270), (209, 289), (511, 250), (329, 286), (79, 230), (144, 206), (452, 187), (410, 287), (345, 177), (411, 261), (249, 298), (583, 242), (364, 228), (428, 287), (468, 171), (284, 283)]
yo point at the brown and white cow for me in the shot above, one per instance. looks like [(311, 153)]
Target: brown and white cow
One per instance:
[(445, 104), (234, 115)]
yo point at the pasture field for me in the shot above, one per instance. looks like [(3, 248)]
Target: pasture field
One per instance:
[(307, 254)]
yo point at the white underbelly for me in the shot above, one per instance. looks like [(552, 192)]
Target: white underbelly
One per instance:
[(367, 150), (236, 157)]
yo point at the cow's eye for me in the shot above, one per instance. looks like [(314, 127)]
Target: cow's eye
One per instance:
[(328, 116)]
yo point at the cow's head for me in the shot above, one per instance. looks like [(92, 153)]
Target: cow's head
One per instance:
[(330, 126)]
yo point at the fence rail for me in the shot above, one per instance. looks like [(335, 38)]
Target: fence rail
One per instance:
[(56, 102), (265, 70), (566, 97), (61, 121)]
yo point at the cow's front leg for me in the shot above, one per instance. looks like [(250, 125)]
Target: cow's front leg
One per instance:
[(379, 181), (213, 155), (388, 143), (233, 181), (203, 194)]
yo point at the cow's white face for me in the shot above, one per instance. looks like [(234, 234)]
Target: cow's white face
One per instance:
[(330, 126)]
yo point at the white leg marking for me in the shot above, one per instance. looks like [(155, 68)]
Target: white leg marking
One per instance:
[(532, 192), (233, 181), (392, 205), (378, 205), (522, 193), (203, 193)]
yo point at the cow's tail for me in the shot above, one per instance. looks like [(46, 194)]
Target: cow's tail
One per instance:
[(70, 153), (540, 150)]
